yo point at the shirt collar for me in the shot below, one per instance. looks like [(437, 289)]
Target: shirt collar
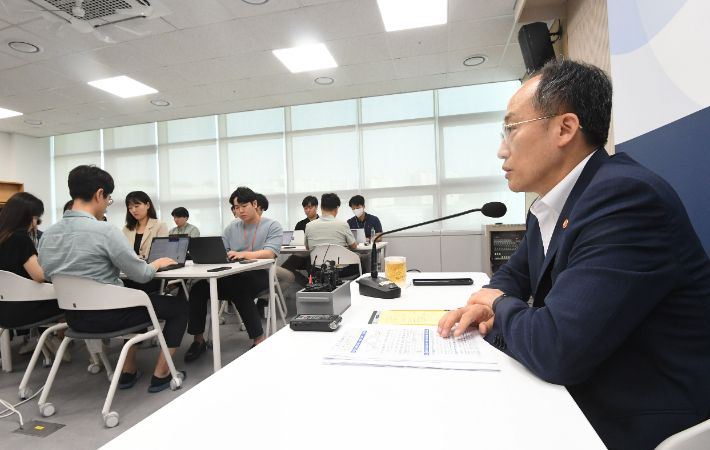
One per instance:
[(557, 197), (75, 213), (327, 217)]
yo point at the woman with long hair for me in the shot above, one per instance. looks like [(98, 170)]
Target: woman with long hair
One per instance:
[(18, 255), (142, 223)]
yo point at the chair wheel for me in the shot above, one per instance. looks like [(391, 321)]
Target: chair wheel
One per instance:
[(47, 409), (176, 383), (154, 342), (94, 368), (25, 393), (209, 344), (222, 320), (242, 327), (109, 375), (111, 419), (47, 363)]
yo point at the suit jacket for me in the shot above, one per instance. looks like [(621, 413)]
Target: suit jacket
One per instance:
[(154, 228), (621, 310)]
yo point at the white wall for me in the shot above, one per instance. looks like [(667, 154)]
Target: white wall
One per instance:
[(7, 158)]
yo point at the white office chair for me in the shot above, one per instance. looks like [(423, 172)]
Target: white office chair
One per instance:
[(280, 304), (14, 288), (337, 253), (694, 438), (83, 294)]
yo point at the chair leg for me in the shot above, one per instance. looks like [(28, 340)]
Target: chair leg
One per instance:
[(35, 356), (5, 351), (47, 409), (184, 287), (106, 411)]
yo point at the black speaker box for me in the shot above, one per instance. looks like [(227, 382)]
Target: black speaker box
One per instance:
[(535, 43)]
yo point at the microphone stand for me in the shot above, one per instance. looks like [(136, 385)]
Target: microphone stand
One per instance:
[(382, 287)]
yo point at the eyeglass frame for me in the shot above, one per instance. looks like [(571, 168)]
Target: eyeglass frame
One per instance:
[(110, 201), (505, 135)]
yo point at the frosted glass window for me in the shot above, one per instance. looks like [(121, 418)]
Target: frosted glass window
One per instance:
[(397, 212), (403, 156), (415, 105), (455, 203), (471, 151), (204, 214), (258, 165), (191, 173), (62, 166), (127, 137), (71, 144), (476, 99), (186, 130), (255, 122), (131, 171), (325, 162), (324, 115)]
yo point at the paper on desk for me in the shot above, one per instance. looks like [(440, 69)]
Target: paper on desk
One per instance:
[(410, 346), (403, 317)]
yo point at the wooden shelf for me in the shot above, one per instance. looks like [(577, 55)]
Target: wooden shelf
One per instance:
[(8, 189)]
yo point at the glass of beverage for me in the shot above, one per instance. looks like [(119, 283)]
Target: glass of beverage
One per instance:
[(396, 270)]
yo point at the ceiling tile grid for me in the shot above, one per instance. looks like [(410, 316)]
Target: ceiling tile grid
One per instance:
[(215, 56)]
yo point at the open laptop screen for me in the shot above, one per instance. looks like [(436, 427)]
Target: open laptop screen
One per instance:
[(174, 248), (287, 238)]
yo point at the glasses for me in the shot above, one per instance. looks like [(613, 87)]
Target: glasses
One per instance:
[(505, 133), (110, 201)]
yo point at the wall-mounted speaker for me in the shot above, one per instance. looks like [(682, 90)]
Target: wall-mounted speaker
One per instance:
[(535, 43)]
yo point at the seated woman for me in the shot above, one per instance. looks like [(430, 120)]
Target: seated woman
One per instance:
[(19, 256), (142, 225)]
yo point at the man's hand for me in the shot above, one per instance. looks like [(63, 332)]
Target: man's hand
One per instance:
[(162, 262), (485, 297), (236, 255), (470, 315)]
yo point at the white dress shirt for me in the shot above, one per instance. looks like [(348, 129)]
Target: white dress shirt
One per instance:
[(547, 209)]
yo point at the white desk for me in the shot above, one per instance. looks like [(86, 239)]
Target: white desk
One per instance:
[(200, 272), (361, 248), (302, 403)]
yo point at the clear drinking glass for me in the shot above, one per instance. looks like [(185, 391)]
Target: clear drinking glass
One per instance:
[(396, 270)]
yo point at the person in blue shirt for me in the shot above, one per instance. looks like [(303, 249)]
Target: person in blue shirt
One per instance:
[(361, 219)]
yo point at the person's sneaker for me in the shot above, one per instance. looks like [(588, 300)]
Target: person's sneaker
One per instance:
[(128, 380), (29, 347), (161, 384), (195, 350), (53, 343)]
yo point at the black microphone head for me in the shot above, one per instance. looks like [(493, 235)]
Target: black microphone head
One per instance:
[(494, 209)]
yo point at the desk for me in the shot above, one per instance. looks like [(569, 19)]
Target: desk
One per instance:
[(361, 248), (303, 403), (200, 272)]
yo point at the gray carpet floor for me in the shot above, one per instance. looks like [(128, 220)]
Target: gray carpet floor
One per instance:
[(79, 396)]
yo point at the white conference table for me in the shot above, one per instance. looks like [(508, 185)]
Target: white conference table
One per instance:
[(200, 272), (280, 395), (361, 248)]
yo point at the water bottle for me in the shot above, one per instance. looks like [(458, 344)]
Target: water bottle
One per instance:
[(372, 235)]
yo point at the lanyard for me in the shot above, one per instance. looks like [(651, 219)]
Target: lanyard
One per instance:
[(254, 237)]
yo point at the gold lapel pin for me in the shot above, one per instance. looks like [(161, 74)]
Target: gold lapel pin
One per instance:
[(564, 225)]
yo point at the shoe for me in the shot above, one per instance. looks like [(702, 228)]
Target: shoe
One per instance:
[(53, 343), (195, 350), (161, 384), (29, 347), (128, 380)]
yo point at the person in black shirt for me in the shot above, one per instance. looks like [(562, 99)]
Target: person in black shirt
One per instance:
[(296, 262), (18, 255), (262, 203)]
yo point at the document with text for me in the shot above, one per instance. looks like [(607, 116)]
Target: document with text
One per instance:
[(411, 346)]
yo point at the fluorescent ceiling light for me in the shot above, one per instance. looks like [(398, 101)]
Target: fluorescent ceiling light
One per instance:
[(308, 57), (5, 113), (123, 86), (405, 14)]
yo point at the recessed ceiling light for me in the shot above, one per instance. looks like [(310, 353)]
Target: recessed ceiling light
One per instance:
[(308, 57), (255, 2), (475, 60), (324, 80), (24, 47), (33, 122), (160, 102), (123, 86), (5, 113), (405, 14)]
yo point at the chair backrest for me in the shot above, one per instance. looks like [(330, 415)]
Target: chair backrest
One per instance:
[(14, 288), (694, 438), (336, 253), (79, 294)]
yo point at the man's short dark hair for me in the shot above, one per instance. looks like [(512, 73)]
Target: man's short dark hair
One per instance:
[(68, 205), (180, 212), (84, 181), (356, 200), (262, 201), (243, 195), (582, 89), (309, 201), (328, 202)]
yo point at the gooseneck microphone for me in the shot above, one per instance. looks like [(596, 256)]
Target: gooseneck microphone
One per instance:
[(374, 286)]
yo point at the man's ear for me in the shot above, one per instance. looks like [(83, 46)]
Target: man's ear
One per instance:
[(569, 127), (99, 195)]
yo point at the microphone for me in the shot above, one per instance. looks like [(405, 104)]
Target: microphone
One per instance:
[(382, 287)]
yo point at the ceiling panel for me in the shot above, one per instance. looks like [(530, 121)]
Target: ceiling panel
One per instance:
[(338, 74), (510, 73), (418, 41), (50, 48), (9, 61), (84, 93), (196, 95), (371, 72), (37, 101), (347, 19), (296, 98), (424, 83), (162, 78), (124, 58), (418, 66), (257, 64), (375, 89), (284, 29), (471, 77), (462, 10), (457, 57), (513, 56), (480, 33), (241, 9), (358, 50), (31, 78), (224, 39), (209, 71), (191, 13), (235, 90), (79, 68), (278, 84), (170, 48), (335, 93), (68, 37)]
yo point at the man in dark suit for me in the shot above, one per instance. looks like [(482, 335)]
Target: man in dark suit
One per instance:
[(619, 280)]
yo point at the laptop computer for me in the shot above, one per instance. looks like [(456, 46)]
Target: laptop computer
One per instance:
[(174, 248), (359, 235), (298, 237), (288, 235), (210, 250)]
